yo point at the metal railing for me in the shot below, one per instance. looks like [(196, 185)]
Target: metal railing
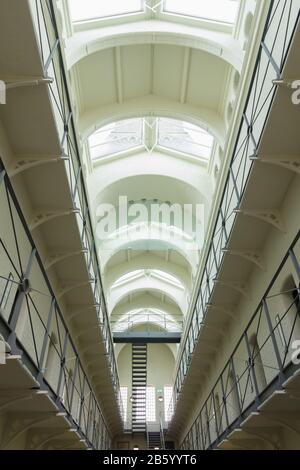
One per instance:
[(280, 27), (266, 355), (33, 325), (162, 433), (149, 325), (49, 43)]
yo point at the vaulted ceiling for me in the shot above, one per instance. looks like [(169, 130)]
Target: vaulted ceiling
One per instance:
[(153, 63)]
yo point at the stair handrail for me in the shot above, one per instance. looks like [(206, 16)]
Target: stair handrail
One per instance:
[(162, 434), (147, 433)]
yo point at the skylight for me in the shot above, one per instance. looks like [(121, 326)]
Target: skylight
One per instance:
[(116, 138), (83, 10), (179, 136), (184, 137), (148, 273), (224, 11)]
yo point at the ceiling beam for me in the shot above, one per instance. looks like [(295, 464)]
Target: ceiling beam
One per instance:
[(119, 75), (152, 63), (185, 75)]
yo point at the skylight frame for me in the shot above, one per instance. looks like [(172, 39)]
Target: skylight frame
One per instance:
[(180, 15), (148, 273), (96, 18), (192, 129), (115, 127), (202, 152)]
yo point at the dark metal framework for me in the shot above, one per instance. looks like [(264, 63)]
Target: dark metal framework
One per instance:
[(264, 358), (281, 24), (49, 42), (33, 325)]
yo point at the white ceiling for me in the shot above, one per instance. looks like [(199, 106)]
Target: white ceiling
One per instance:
[(151, 64)]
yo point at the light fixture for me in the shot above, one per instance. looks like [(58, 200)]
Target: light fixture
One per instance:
[(136, 448), (160, 398), (131, 399)]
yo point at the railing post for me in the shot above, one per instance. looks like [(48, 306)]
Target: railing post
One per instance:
[(74, 382), (207, 424), (273, 338), (295, 262), (224, 399), (215, 414), (251, 364), (236, 389), (23, 290), (62, 365), (2, 174), (46, 339)]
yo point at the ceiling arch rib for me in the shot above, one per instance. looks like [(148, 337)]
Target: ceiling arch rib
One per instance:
[(149, 224), (144, 287), (152, 105), (146, 300), (136, 182), (151, 243), (160, 68), (222, 45), (148, 260)]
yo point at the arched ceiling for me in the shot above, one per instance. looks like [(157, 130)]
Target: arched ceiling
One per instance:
[(151, 63), (146, 300), (152, 80), (147, 284), (147, 260)]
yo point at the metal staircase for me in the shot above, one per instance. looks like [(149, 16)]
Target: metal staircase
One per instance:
[(139, 387), (155, 436), (154, 440)]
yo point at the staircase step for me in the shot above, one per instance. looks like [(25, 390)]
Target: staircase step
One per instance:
[(139, 384)]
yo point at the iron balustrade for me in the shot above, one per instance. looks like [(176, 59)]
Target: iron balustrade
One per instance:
[(279, 31), (261, 362), (33, 325), (151, 323), (49, 43)]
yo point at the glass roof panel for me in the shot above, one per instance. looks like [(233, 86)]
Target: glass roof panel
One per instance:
[(172, 134), (224, 11), (83, 10), (115, 138), (184, 137), (135, 275)]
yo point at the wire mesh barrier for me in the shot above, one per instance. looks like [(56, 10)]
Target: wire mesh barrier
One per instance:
[(49, 43), (29, 312), (266, 355), (279, 31)]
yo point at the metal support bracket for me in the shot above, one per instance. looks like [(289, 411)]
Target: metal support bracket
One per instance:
[(270, 216)]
